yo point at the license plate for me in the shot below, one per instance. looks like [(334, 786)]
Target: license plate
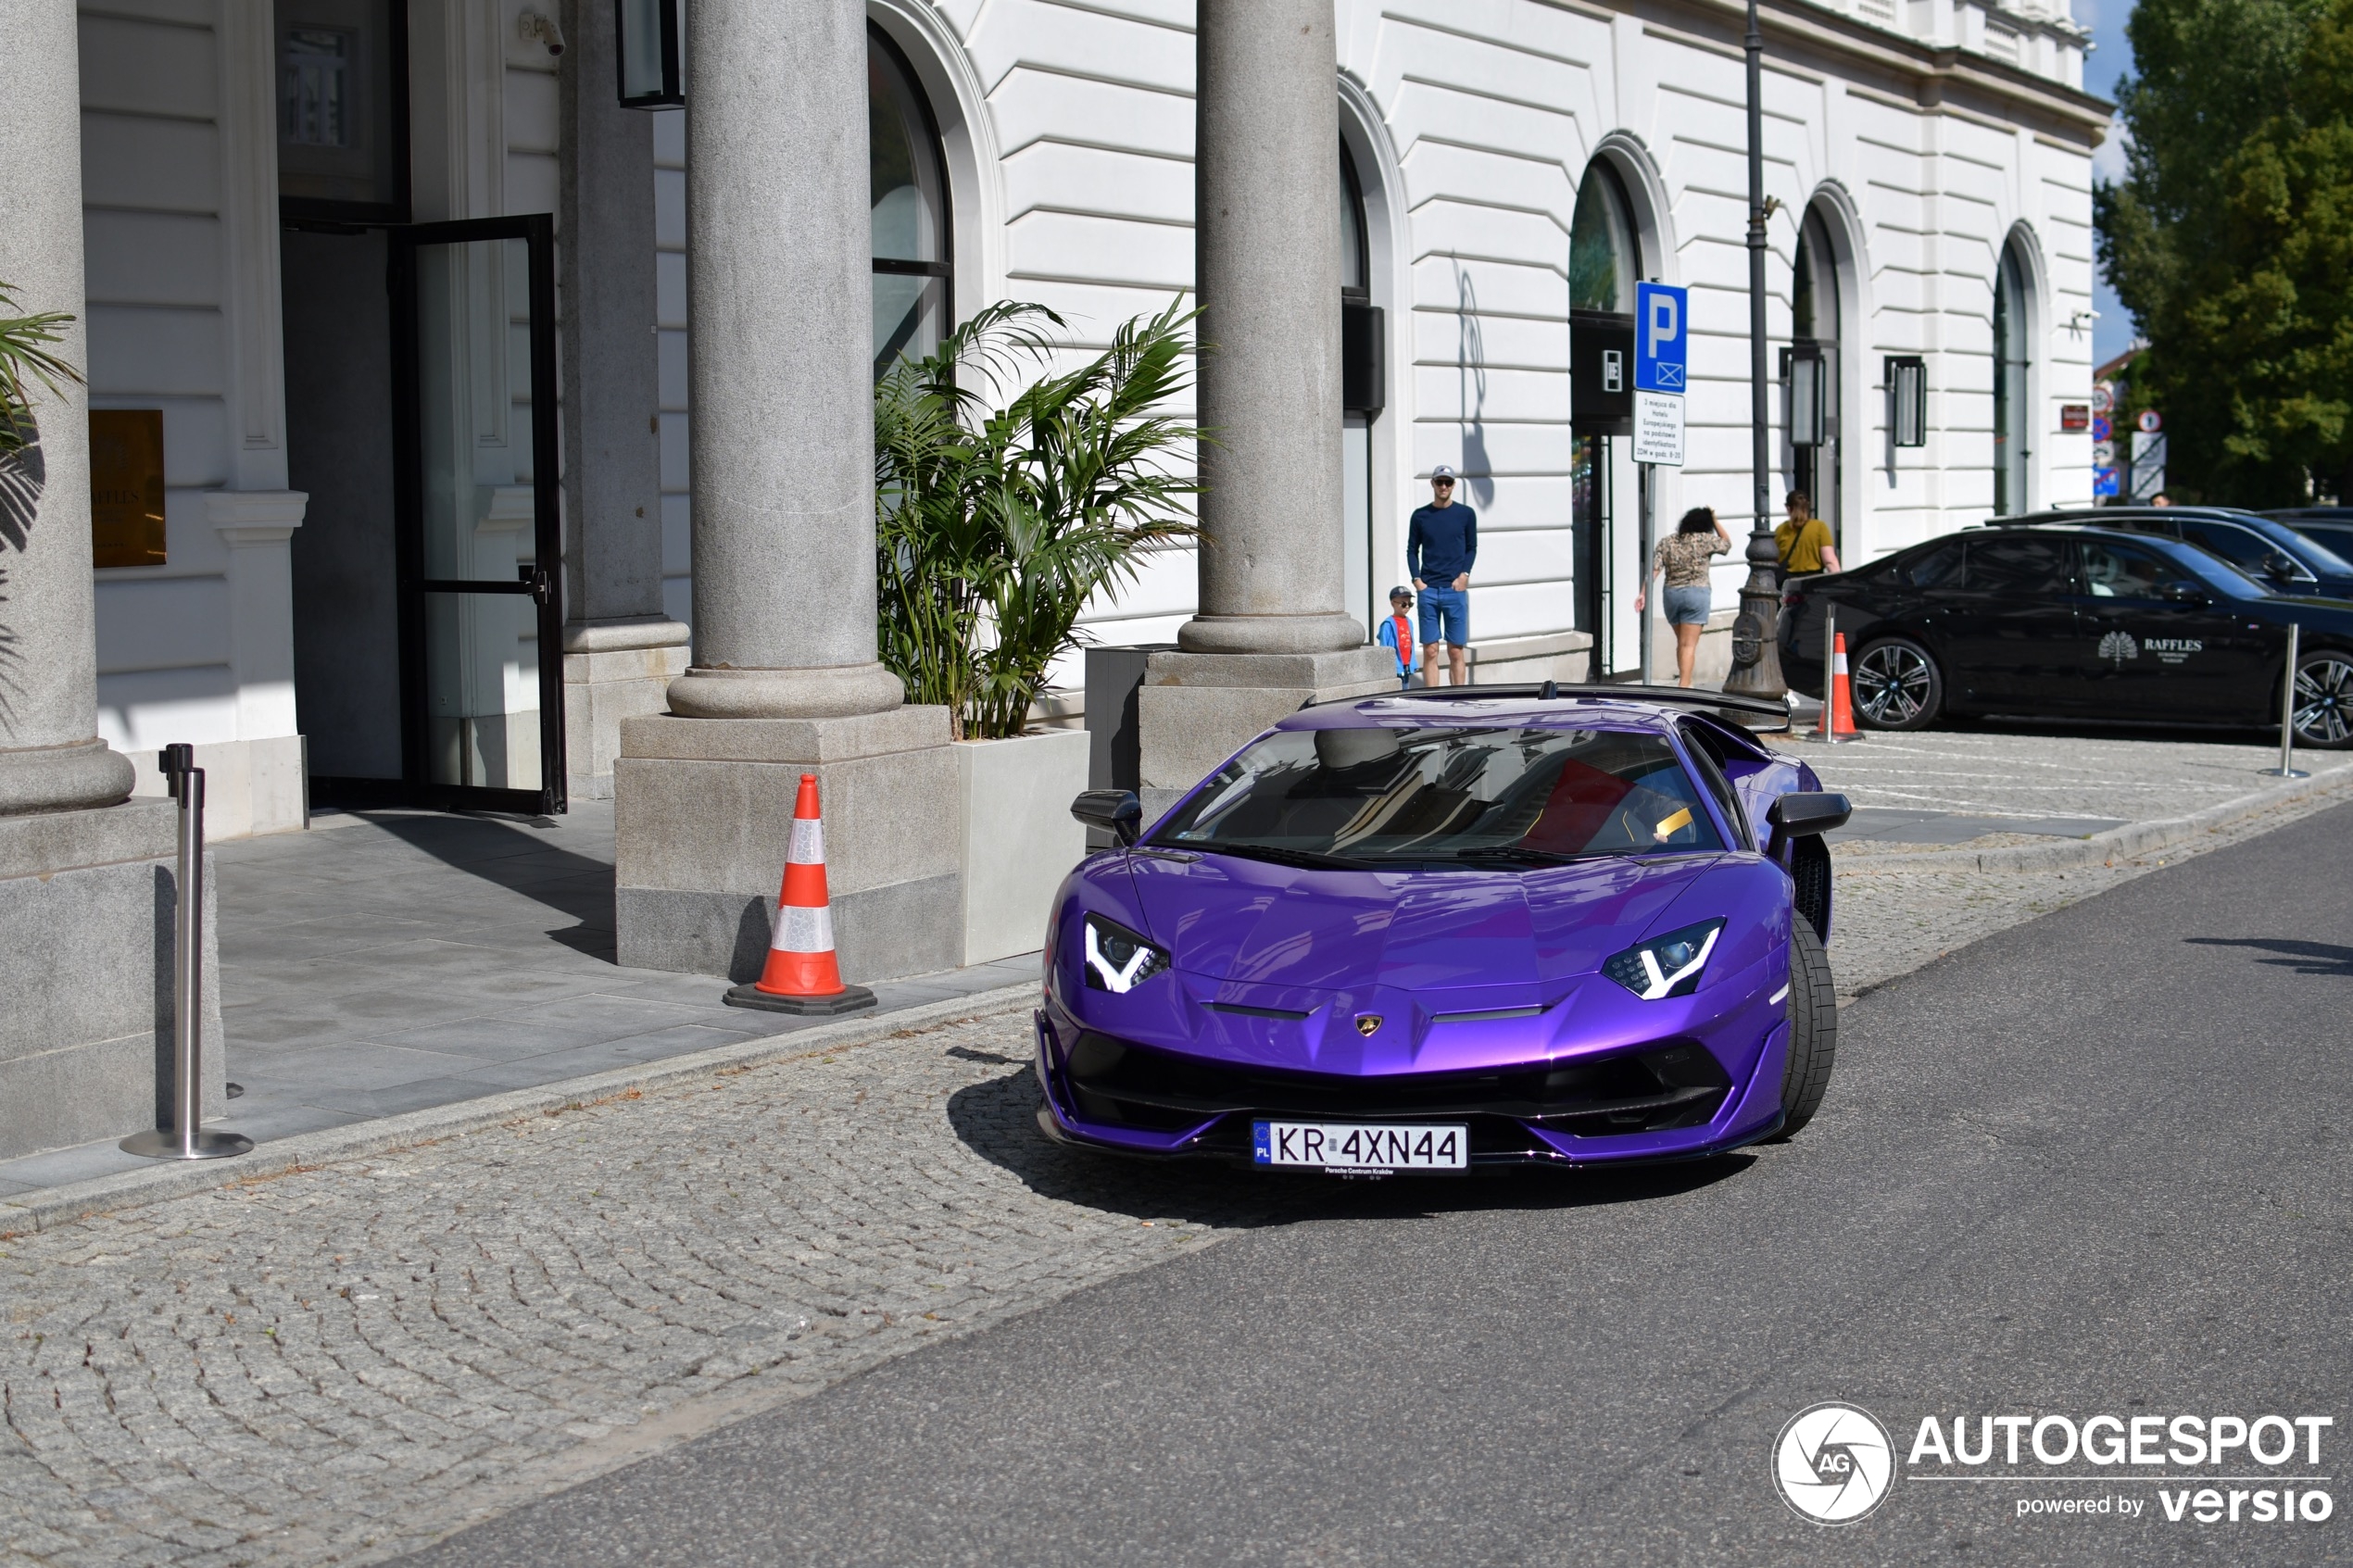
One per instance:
[(1350, 1147)]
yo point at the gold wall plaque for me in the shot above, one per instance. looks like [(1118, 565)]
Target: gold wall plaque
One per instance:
[(126, 486)]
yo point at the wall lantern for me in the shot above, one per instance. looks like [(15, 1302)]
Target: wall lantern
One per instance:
[(1802, 369), (1907, 399), (649, 62)]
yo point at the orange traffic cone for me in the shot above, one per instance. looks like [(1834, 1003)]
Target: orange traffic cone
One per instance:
[(801, 975), (1838, 714)]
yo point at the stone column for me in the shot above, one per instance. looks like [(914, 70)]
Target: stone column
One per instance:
[(620, 651), (85, 878), (780, 300), (50, 754), (785, 680), (1273, 627)]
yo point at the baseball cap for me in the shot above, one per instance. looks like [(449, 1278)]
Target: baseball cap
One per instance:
[(1401, 592), (1443, 470)]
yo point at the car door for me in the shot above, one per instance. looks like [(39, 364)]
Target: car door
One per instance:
[(2008, 631), (2156, 643)]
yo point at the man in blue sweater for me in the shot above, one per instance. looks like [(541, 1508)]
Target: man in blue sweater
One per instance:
[(1441, 545)]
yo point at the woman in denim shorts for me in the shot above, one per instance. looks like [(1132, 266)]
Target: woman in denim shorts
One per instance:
[(1683, 556)]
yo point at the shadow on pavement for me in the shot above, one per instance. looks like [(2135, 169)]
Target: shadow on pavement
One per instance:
[(997, 1121), (521, 860), (2306, 958)]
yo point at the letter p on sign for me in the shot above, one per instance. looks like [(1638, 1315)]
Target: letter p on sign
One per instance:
[(1660, 311)]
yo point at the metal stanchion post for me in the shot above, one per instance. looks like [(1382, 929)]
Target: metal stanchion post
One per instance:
[(2287, 768), (186, 1138)]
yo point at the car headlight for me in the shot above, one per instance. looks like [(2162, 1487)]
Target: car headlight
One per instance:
[(1116, 960), (1668, 965)]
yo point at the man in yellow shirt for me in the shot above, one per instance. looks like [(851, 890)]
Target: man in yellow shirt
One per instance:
[(1804, 540)]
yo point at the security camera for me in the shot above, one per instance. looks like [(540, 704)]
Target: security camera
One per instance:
[(538, 27)]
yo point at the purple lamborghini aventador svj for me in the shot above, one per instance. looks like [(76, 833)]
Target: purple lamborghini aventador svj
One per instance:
[(1476, 926)]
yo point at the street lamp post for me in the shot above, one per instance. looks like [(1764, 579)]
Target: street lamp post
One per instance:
[(1756, 658)]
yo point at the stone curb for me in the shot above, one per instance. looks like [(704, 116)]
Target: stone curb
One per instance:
[(129, 1189), (2106, 848)]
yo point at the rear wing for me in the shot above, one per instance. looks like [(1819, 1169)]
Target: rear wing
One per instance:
[(1764, 714)]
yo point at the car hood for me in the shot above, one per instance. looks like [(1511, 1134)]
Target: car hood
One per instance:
[(1250, 923)]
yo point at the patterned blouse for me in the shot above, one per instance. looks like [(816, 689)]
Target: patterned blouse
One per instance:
[(1685, 557)]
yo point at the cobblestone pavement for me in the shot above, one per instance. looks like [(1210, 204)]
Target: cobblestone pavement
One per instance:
[(343, 1362), (2026, 775)]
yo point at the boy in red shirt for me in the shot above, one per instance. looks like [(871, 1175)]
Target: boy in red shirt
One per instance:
[(1396, 633)]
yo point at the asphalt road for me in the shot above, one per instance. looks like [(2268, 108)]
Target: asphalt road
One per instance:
[(2096, 1164)]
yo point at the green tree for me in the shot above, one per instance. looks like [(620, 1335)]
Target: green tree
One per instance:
[(2228, 236)]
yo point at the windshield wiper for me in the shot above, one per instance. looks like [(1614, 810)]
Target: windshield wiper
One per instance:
[(1307, 860)]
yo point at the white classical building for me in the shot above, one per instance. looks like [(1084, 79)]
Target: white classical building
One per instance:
[(251, 179), (458, 434)]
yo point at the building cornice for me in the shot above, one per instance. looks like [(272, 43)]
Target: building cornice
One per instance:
[(1934, 74)]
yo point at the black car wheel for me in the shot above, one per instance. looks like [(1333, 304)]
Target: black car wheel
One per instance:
[(1897, 685), (2324, 700), (1813, 1029)]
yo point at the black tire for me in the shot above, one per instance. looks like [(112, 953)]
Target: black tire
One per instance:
[(1897, 685), (1813, 1029), (2325, 699)]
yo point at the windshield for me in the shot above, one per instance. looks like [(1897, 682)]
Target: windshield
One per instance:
[(2314, 553), (1493, 798), (2212, 570)]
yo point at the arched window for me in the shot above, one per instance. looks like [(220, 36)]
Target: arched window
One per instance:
[(1812, 373), (2011, 363), (915, 298), (1603, 263)]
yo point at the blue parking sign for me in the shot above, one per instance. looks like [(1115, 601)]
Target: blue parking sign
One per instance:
[(1661, 318)]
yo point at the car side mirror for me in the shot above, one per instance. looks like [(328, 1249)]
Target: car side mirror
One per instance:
[(2182, 593), (2281, 565), (1116, 811), (1805, 814)]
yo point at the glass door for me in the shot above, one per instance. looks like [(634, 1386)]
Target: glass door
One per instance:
[(474, 401)]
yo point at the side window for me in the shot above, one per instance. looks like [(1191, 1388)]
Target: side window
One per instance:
[(2017, 566), (2120, 571), (2243, 547), (1708, 758), (1939, 567)]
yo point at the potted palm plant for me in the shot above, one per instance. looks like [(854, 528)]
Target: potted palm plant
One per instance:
[(1003, 506), (24, 360)]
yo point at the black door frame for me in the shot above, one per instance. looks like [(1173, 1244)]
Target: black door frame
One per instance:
[(542, 583)]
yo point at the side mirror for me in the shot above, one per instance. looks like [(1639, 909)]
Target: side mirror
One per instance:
[(2182, 593), (1116, 811), (2281, 565), (1805, 814)]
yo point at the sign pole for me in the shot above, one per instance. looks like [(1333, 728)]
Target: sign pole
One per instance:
[(1648, 482)]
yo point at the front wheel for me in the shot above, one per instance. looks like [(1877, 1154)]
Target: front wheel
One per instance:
[(1813, 1029), (1897, 685), (2325, 699)]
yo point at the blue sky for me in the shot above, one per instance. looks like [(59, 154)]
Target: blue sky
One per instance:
[(2112, 57)]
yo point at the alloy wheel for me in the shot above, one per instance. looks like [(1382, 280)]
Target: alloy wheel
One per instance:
[(2324, 700), (1891, 685)]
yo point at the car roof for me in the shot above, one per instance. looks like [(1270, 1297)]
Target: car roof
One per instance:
[(2097, 516)]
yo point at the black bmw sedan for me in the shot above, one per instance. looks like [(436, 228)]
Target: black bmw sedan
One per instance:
[(2063, 619)]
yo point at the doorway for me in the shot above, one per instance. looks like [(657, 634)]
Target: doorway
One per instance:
[(479, 536)]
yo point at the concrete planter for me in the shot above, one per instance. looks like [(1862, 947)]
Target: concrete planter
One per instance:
[(1019, 838)]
